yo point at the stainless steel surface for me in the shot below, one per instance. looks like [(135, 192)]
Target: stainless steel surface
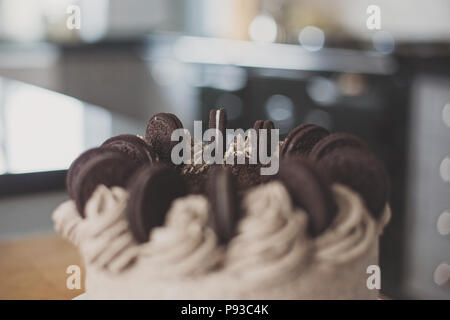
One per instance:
[(425, 248)]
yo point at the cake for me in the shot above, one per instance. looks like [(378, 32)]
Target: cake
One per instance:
[(149, 229)]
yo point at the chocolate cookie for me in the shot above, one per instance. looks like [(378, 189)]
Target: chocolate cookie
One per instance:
[(258, 125), (152, 190), (218, 120), (268, 125), (224, 206), (110, 168), (309, 191), (335, 141), (362, 172), (176, 119), (133, 146), (158, 134), (247, 176), (78, 163), (301, 140), (196, 182)]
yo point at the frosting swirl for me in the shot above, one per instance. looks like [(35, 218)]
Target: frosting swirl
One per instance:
[(67, 220), (103, 236), (184, 246), (107, 242), (272, 243), (351, 233)]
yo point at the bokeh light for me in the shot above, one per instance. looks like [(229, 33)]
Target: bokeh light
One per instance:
[(383, 42), (322, 90), (263, 28), (311, 38)]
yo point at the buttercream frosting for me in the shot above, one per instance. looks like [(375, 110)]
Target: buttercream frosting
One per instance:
[(271, 244), (185, 245), (103, 237), (271, 255), (352, 231)]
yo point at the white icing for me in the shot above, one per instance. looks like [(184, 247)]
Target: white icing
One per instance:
[(103, 236), (271, 255), (351, 233), (185, 245), (66, 221), (272, 244)]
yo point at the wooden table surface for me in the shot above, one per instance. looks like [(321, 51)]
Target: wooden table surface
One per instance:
[(35, 268)]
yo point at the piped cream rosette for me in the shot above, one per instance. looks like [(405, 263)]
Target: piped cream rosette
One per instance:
[(271, 246), (103, 237), (185, 245), (344, 251)]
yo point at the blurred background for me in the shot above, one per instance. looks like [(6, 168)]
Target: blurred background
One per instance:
[(63, 90)]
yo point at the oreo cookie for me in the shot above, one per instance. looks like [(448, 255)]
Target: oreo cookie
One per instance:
[(267, 125), (336, 141), (152, 190), (158, 134), (301, 140), (249, 175), (224, 205), (134, 147), (309, 191), (107, 167), (78, 163), (360, 170), (218, 120), (196, 182)]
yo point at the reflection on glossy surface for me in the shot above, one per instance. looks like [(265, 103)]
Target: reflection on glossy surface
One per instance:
[(41, 130)]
